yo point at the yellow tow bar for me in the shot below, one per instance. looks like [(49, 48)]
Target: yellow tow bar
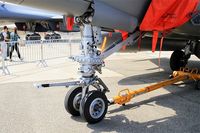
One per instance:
[(126, 95)]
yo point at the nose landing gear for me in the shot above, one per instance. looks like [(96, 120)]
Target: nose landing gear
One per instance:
[(88, 98)]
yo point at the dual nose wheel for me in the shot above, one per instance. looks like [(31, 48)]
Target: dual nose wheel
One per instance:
[(92, 107), (72, 101)]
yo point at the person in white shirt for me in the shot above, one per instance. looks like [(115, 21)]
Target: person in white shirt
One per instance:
[(4, 43)]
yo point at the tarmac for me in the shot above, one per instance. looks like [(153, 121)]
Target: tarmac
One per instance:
[(173, 109)]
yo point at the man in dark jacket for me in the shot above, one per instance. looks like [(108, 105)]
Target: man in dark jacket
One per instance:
[(14, 43)]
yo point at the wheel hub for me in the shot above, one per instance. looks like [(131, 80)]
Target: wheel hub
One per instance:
[(97, 108), (76, 101)]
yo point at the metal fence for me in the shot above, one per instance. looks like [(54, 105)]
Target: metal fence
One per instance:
[(39, 52)]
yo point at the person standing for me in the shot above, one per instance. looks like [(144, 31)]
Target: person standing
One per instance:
[(14, 44), (4, 43), (8, 42)]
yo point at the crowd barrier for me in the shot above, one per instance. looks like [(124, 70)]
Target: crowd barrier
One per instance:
[(38, 51)]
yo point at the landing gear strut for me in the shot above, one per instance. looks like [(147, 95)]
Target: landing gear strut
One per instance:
[(80, 100), (88, 98)]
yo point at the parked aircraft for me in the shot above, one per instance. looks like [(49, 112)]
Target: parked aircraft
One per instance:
[(33, 20), (134, 19)]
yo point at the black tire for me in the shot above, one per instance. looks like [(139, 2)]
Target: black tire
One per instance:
[(89, 101), (35, 36), (58, 36), (28, 37), (71, 108), (177, 60), (55, 36), (198, 85), (47, 37)]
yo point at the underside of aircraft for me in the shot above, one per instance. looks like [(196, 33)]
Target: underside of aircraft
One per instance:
[(121, 15), (33, 20), (134, 19)]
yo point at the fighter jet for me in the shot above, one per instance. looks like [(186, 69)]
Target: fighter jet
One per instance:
[(33, 20), (134, 19)]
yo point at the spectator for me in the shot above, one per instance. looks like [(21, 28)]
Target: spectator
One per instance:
[(3, 43), (14, 44), (8, 42)]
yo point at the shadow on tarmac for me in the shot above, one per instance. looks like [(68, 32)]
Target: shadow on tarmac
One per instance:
[(185, 101), (183, 121), (153, 77)]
